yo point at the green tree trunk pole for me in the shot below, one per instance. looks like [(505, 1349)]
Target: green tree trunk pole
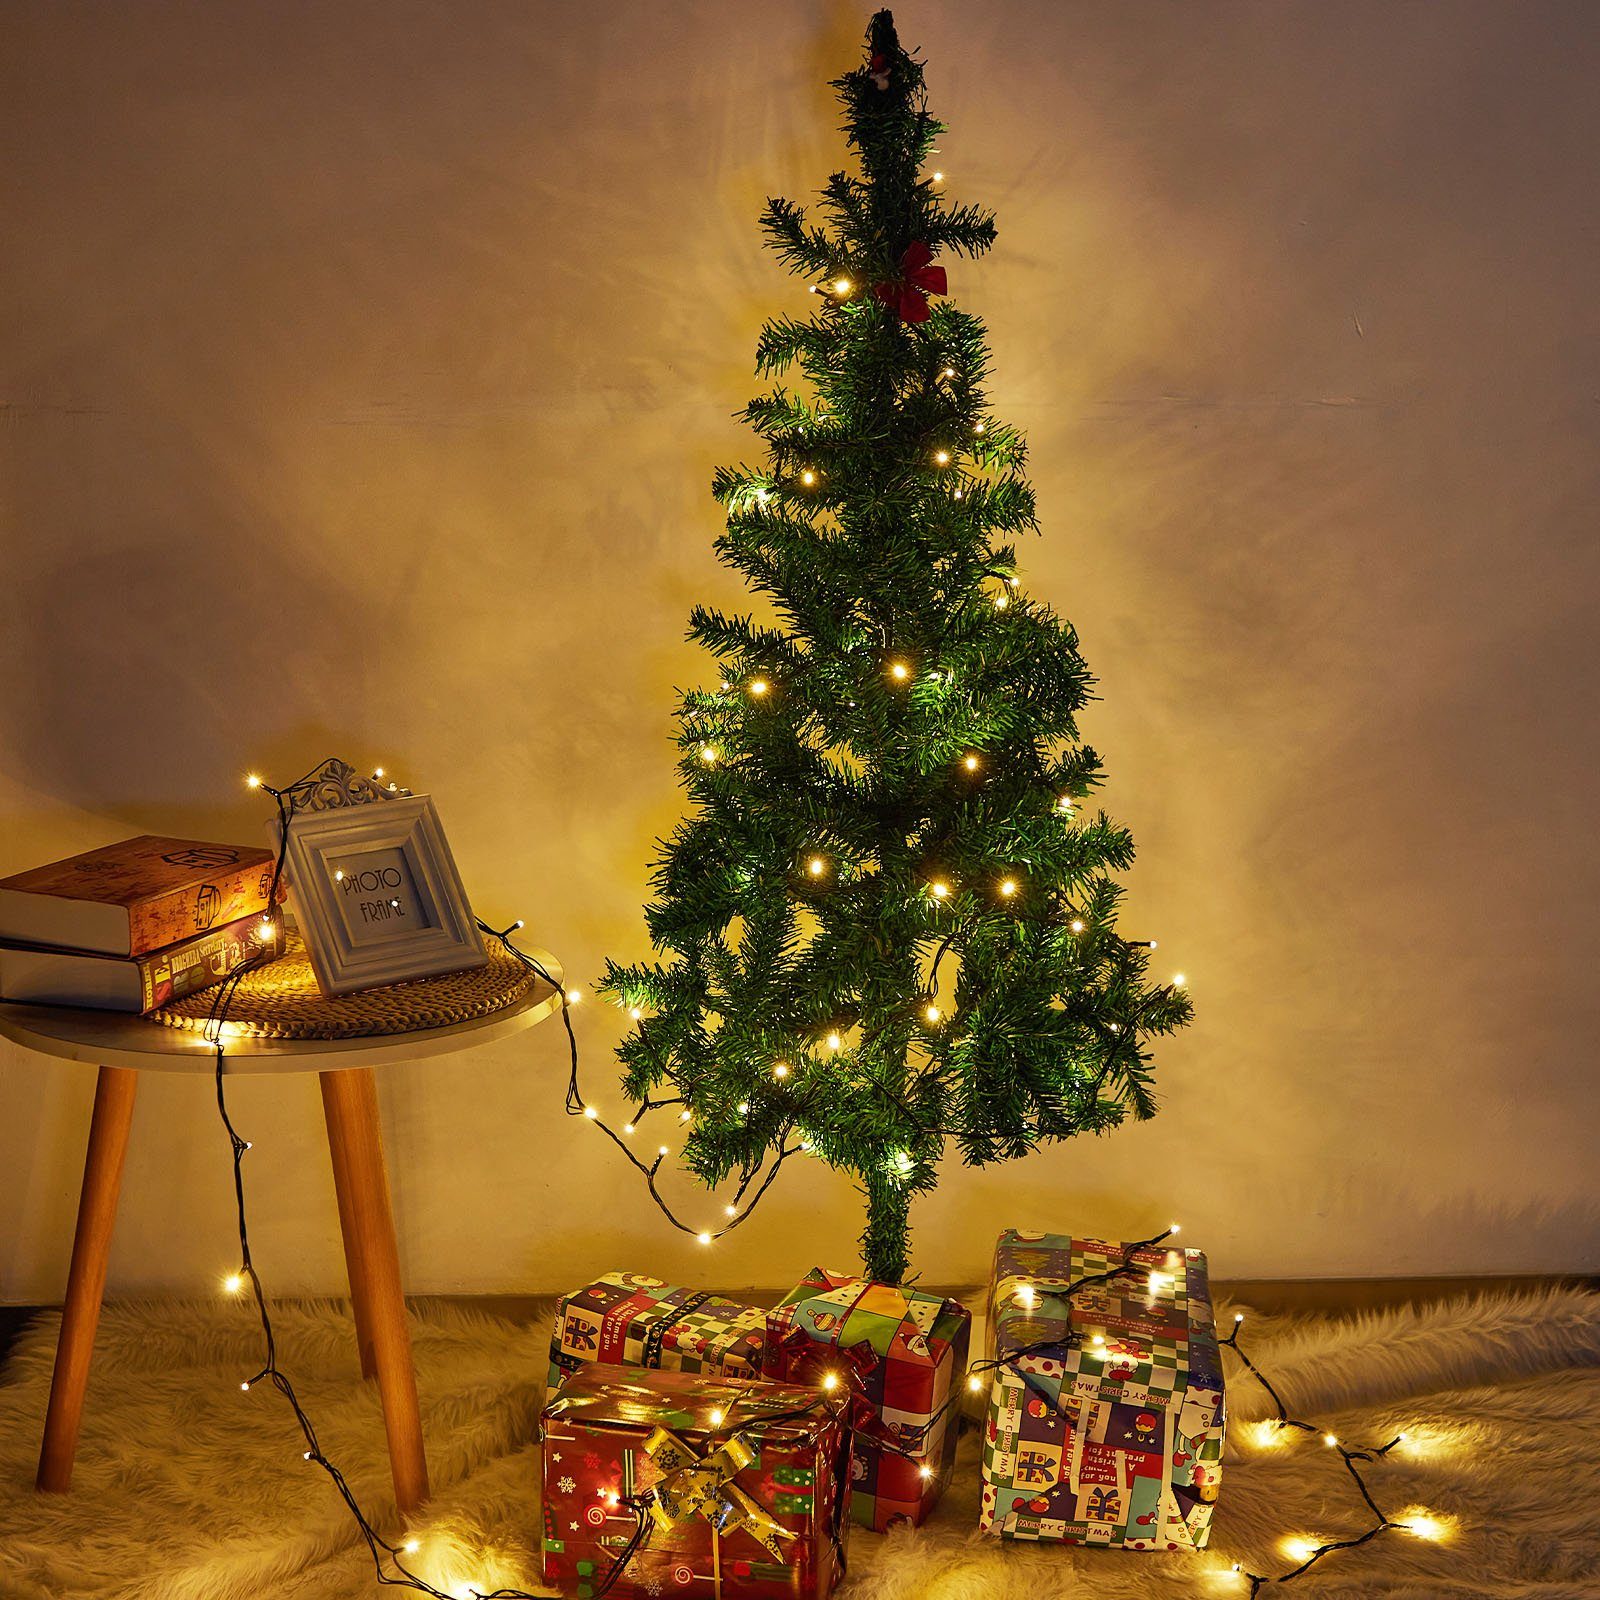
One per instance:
[(886, 1244)]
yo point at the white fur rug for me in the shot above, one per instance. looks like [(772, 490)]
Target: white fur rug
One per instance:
[(188, 1489)]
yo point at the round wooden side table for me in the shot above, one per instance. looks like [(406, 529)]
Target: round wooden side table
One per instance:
[(124, 1046)]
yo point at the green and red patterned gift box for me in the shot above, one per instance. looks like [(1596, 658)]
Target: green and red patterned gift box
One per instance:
[(630, 1320), (1106, 1418), (899, 1351), (686, 1484)]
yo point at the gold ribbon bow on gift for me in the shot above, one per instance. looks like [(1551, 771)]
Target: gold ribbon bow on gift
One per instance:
[(703, 1486)]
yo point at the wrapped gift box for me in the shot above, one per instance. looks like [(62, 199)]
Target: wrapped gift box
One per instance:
[(634, 1321), (900, 1351), (739, 1486), (1117, 1438)]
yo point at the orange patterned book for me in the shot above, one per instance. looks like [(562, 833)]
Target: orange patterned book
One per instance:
[(129, 898)]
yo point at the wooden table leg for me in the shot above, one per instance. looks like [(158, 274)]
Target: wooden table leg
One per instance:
[(355, 1261), (86, 1281), (350, 1102)]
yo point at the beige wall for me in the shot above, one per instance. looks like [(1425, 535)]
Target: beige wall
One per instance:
[(364, 370)]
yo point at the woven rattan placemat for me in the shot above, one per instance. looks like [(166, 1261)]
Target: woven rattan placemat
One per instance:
[(281, 1000)]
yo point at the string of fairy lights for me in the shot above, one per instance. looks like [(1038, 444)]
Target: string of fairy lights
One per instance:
[(1309, 1550), (390, 1558)]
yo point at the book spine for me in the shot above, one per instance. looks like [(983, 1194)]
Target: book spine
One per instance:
[(196, 964), (198, 908)]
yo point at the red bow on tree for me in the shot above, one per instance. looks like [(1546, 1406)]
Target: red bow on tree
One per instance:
[(908, 294)]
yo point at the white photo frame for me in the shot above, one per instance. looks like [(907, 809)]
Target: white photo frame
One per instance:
[(376, 895)]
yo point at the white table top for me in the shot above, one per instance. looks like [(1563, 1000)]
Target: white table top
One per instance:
[(115, 1039)]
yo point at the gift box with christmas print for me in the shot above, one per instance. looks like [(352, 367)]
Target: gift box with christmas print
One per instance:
[(634, 1321), (898, 1352), (1112, 1436), (698, 1486)]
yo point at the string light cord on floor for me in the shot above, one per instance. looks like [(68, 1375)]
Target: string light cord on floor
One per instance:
[(388, 1558), (1420, 1523)]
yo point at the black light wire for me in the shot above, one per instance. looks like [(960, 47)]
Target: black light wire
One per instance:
[(386, 1554), (1382, 1520)]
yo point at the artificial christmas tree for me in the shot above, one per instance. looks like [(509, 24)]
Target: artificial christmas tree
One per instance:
[(888, 922)]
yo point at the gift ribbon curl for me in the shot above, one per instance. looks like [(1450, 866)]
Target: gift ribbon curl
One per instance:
[(703, 1486)]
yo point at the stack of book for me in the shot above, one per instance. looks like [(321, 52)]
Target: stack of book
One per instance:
[(135, 925)]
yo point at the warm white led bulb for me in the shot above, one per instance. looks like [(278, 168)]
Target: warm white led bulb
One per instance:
[(627, 1127), (590, 1112), (714, 1417), (759, 686), (411, 1546), (842, 286), (704, 1238), (899, 671), (1178, 980), (975, 1384), (816, 866), (924, 1471), (932, 1013), (1423, 1524), (970, 762), (663, 1151), (574, 996), (233, 1283), (1076, 925), (253, 781), (939, 889), (808, 477), (635, 1013), (730, 1211), (781, 1070), (941, 458), (830, 1381), (708, 755), (1008, 887), (835, 1042)]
